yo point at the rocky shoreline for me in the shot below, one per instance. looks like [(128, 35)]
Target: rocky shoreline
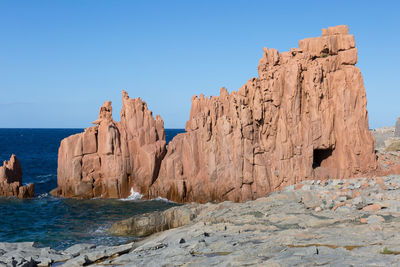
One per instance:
[(304, 117), (274, 145), (334, 222)]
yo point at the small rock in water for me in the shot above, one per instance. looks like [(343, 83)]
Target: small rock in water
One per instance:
[(182, 241)]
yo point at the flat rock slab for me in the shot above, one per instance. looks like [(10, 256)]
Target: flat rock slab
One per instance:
[(315, 223), (293, 227)]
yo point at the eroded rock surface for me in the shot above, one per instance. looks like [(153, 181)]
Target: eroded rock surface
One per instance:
[(153, 222), (350, 222), (11, 180), (314, 223), (305, 117), (112, 158)]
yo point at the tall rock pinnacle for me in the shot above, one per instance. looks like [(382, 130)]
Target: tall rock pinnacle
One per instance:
[(111, 158)]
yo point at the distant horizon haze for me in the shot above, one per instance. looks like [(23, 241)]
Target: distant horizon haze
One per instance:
[(61, 60)]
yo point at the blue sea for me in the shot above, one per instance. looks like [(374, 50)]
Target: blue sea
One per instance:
[(57, 222)]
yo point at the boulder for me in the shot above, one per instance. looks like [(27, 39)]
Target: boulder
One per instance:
[(397, 128), (11, 180), (111, 158), (392, 144), (149, 223), (304, 117)]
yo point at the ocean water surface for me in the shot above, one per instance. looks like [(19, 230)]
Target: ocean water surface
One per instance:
[(57, 222)]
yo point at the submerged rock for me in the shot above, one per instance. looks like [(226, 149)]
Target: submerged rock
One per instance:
[(11, 180)]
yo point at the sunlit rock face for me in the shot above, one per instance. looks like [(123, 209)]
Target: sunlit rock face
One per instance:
[(304, 117), (111, 158), (11, 180)]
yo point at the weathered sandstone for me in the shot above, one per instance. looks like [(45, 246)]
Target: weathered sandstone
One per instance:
[(111, 158), (11, 180), (305, 117)]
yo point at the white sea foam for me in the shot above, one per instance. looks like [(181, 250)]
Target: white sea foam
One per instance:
[(163, 199), (43, 181), (44, 175), (133, 196), (48, 178), (44, 195), (101, 229)]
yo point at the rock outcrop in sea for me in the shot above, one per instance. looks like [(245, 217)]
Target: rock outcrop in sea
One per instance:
[(304, 117), (110, 158), (11, 180)]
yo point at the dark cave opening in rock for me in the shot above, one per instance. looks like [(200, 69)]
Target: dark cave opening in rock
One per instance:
[(320, 155)]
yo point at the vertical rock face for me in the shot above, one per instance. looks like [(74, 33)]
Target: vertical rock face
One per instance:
[(111, 158), (11, 180), (305, 117)]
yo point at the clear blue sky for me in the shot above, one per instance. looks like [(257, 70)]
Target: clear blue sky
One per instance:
[(60, 60)]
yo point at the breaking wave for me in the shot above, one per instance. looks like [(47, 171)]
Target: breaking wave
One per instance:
[(133, 196)]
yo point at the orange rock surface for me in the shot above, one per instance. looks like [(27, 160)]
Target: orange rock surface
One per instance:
[(11, 180), (305, 117), (111, 158)]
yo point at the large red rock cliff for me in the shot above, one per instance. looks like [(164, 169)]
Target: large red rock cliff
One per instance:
[(11, 180), (305, 117), (111, 158)]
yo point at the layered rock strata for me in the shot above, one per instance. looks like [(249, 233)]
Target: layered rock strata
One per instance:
[(304, 117), (11, 180), (112, 158)]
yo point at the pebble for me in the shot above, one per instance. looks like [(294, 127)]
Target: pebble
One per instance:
[(372, 208)]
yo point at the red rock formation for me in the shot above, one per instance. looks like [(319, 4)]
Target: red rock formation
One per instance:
[(109, 159), (11, 180), (305, 117)]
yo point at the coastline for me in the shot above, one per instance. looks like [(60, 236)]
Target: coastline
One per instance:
[(334, 222)]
